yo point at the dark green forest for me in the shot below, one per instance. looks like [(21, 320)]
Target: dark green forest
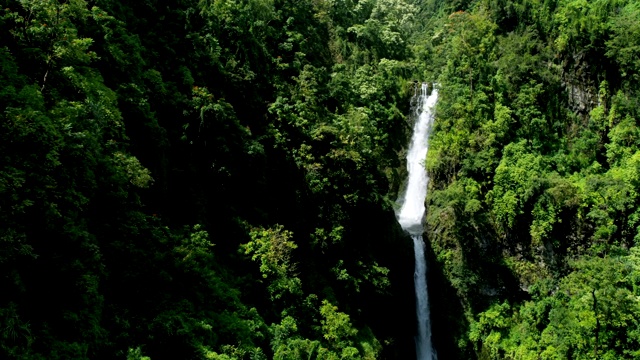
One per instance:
[(217, 179)]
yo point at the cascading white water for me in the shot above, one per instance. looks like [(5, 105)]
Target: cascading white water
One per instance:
[(412, 212)]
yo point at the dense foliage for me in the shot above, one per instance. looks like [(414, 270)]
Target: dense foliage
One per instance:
[(533, 205), (215, 179), (205, 179)]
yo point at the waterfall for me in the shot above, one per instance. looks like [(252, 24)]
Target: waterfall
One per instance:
[(412, 211)]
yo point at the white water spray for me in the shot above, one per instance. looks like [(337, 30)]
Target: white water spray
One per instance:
[(412, 212)]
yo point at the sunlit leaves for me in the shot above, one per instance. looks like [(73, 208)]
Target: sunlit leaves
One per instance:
[(272, 248), (385, 31), (336, 326), (624, 139), (624, 46), (593, 310), (516, 181)]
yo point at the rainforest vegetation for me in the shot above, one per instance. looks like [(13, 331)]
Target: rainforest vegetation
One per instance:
[(217, 179)]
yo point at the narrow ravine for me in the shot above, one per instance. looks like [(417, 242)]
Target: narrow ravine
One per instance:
[(411, 213)]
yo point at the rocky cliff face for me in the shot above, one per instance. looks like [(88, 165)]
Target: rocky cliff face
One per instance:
[(578, 80)]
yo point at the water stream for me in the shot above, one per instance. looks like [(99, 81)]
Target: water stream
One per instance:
[(411, 214)]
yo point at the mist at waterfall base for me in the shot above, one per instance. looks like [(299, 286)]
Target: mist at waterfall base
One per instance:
[(411, 213)]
